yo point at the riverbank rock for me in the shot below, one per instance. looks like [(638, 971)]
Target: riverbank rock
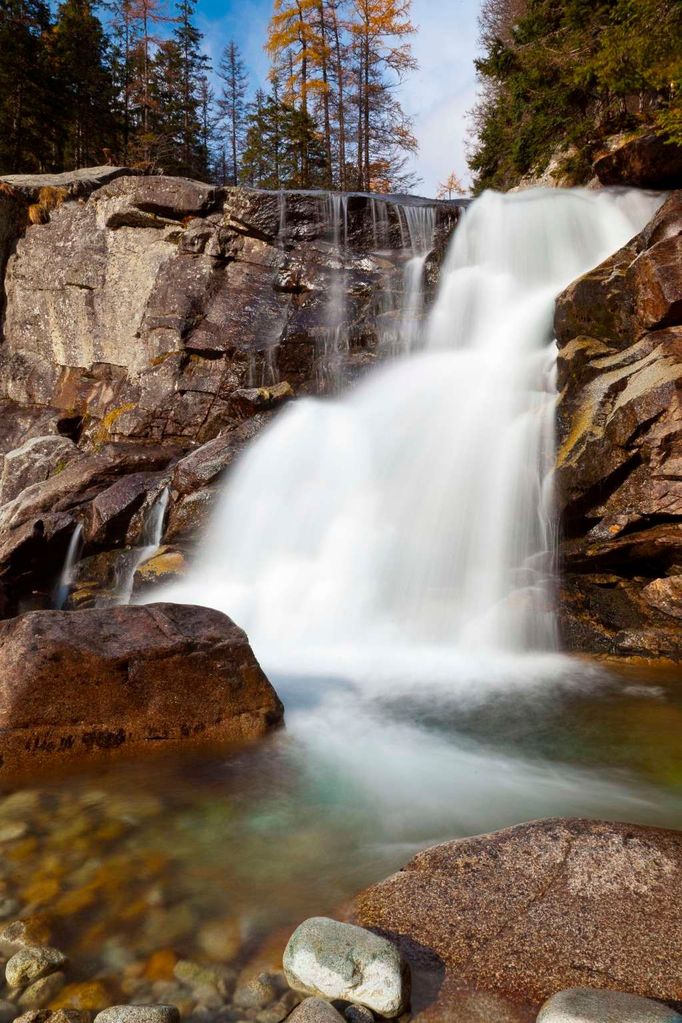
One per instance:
[(585, 1005), (619, 461), (102, 683), (339, 961), (539, 908)]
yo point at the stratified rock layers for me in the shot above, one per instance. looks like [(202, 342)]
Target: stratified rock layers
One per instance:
[(81, 683), (619, 463)]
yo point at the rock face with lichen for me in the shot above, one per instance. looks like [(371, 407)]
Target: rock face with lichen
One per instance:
[(152, 326), (619, 463), (537, 908)]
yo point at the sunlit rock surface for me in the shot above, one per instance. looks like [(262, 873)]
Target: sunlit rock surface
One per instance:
[(541, 907)]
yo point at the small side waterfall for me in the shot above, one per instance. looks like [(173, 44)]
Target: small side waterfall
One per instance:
[(336, 331), (73, 554), (411, 521), (421, 226), (381, 227), (152, 535)]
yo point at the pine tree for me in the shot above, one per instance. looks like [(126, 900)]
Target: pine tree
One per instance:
[(145, 16), (86, 121), (232, 105), (294, 44), (193, 67), (382, 57), (123, 47), (451, 186), (278, 134), (25, 86), (209, 119)]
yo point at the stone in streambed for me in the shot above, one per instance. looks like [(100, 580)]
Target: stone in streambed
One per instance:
[(22, 934), (337, 960), (216, 979), (585, 1005), (139, 1014), (256, 992), (358, 1014), (315, 1010), (31, 963), (40, 993)]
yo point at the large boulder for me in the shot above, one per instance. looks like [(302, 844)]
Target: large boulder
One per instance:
[(619, 462), (541, 907), (84, 683)]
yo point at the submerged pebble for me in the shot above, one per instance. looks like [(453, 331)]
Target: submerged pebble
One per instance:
[(40, 993)]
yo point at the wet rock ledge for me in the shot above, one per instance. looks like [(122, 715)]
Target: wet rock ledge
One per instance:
[(619, 466), (80, 684)]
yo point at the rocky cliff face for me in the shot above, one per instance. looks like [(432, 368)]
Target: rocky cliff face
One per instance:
[(619, 465), (151, 326)]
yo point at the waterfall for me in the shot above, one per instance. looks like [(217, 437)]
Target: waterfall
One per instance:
[(381, 227), (330, 365), (73, 554), (412, 518), (421, 226), (152, 535)]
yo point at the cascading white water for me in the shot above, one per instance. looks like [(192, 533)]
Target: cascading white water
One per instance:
[(330, 365), (152, 535), (73, 554), (412, 517), (421, 226)]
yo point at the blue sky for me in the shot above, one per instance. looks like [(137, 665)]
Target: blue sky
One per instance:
[(438, 96)]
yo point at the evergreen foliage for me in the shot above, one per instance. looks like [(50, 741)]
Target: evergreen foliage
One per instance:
[(130, 84), (569, 75)]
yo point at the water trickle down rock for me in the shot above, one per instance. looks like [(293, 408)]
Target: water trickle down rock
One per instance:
[(164, 301)]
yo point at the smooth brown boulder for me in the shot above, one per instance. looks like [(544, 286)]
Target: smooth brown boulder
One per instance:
[(540, 907), (126, 679)]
